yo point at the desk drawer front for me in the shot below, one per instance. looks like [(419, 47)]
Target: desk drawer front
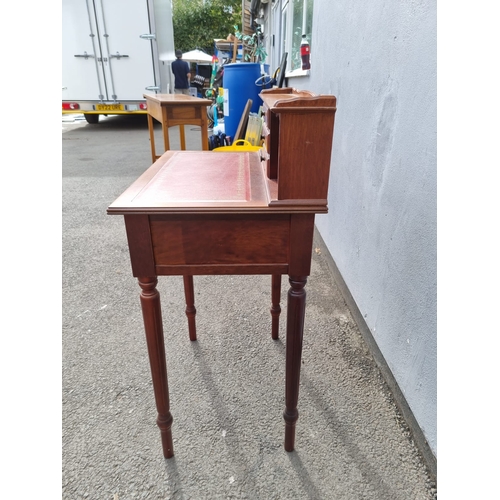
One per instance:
[(184, 113), (220, 239)]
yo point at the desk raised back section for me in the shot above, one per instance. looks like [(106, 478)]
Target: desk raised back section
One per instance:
[(298, 135)]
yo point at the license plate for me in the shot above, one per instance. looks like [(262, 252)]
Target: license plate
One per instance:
[(109, 107)]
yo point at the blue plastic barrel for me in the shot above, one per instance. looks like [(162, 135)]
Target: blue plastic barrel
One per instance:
[(239, 86)]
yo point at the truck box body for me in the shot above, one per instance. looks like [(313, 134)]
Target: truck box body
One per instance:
[(114, 52)]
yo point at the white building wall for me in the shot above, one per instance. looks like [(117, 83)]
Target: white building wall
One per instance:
[(379, 58)]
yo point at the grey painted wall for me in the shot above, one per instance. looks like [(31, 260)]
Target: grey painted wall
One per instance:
[(379, 58)]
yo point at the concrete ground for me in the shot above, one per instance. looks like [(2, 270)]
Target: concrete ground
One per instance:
[(227, 388)]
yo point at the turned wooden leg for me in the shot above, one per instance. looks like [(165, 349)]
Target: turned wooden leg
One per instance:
[(296, 306), (275, 305), (190, 309), (151, 312)]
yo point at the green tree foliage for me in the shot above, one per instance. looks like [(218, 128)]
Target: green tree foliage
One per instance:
[(197, 22)]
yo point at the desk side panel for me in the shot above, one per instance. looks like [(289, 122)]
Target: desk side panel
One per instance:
[(305, 144), (221, 240), (184, 114)]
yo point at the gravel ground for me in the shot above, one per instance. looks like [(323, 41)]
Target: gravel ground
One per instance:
[(227, 388)]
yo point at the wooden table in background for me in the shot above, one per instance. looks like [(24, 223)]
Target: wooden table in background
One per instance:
[(206, 213), (176, 109)]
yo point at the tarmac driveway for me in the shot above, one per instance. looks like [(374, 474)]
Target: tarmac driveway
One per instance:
[(227, 388)]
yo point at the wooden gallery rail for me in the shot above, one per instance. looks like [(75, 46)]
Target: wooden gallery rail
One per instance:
[(254, 213)]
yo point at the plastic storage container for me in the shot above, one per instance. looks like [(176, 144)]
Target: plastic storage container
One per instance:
[(239, 86)]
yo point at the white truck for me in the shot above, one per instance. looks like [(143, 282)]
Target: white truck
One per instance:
[(114, 52)]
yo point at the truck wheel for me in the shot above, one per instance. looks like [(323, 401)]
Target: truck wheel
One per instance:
[(92, 119)]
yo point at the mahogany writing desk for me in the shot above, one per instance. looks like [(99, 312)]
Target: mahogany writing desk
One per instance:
[(177, 109), (206, 213)]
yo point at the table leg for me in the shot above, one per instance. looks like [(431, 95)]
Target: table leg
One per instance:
[(151, 312), (183, 137), (190, 309), (164, 128), (152, 137), (296, 306), (204, 131), (275, 305)]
